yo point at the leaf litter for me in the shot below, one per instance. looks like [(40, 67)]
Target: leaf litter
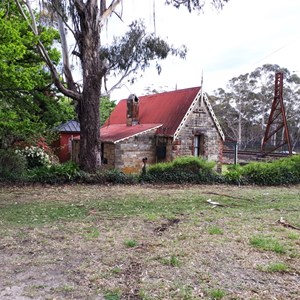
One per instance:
[(57, 260)]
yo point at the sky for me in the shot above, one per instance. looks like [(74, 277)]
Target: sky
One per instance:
[(243, 36)]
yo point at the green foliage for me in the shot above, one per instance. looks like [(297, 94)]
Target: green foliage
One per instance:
[(135, 50), (293, 236), (30, 116), (51, 109), (15, 126), (106, 107), (16, 72), (121, 206), (172, 261), (215, 230), (113, 176), (193, 164), (274, 267), (116, 270), (277, 172), (114, 295), (247, 101), (55, 174), (186, 169), (267, 243), (12, 165), (182, 170), (35, 157), (197, 5), (41, 212), (130, 243), (233, 174), (216, 294), (91, 233), (21, 66), (29, 104)]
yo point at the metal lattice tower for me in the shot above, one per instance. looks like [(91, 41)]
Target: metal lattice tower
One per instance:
[(277, 133)]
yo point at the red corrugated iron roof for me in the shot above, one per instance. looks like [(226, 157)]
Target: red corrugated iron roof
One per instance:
[(118, 132), (167, 108)]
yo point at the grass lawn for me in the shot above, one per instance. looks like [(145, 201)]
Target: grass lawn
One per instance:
[(149, 242)]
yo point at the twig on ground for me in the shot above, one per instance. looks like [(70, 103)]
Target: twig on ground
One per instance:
[(228, 196), (214, 204), (284, 223)]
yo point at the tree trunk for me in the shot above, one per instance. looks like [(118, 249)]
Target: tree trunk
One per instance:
[(89, 116)]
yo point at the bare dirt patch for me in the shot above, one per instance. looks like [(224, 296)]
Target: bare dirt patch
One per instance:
[(182, 247)]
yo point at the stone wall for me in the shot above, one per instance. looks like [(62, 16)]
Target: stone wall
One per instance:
[(167, 142), (199, 122), (129, 153), (108, 154)]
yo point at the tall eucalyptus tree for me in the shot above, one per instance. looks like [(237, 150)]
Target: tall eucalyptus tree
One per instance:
[(247, 100), (85, 20)]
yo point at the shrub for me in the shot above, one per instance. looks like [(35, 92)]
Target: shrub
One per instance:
[(277, 172), (12, 165), (113, 176), (35, 156), (193, 164), (60, 173), (234, 174), (186, 169)]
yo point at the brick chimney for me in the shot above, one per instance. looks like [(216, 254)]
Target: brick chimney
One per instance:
[(132, 110)]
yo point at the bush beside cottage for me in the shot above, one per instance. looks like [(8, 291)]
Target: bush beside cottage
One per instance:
[(15, 168)]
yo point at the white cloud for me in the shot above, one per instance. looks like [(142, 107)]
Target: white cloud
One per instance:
[(243, 36)]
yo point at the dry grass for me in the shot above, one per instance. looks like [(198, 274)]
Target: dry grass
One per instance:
[(148, 242)]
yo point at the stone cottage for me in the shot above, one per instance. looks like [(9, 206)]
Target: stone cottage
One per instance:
[(161, 127)]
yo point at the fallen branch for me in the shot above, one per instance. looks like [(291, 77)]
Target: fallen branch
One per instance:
[(165, 226), (286, 224), (228, 196), (214, 204)]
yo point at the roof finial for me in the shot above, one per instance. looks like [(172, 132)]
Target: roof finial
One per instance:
[(201, 98)]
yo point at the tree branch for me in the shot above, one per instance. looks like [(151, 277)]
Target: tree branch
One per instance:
[(64, 45), (79, 5), (108, 11), (42, 50), (61, 16), (126, 74)]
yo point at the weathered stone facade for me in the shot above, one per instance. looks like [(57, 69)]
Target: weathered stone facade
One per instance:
[(127, 155), (108, 154), (199, 123), (161, 127), (196, 136)]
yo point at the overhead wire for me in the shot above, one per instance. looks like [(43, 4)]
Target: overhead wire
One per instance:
[(270, 54)]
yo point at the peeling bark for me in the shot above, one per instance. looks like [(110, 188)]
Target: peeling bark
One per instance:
[(89, 117)]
